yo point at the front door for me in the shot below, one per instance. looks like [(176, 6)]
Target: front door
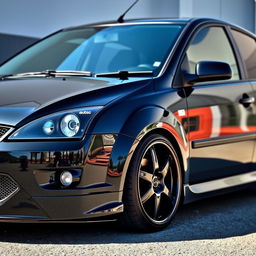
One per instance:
[(221, 130)]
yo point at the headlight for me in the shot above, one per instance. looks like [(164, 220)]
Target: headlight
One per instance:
[(49, 127), (61, 125), (70, 125)]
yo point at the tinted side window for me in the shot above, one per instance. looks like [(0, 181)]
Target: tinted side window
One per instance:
[(211, 44), (247, 48)]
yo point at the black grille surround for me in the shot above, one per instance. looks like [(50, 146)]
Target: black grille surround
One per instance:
[(8, 188)]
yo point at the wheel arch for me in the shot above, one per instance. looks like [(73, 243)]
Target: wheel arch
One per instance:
[(163, 129)]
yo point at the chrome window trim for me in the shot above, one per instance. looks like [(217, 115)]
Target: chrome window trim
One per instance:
[(139, 23)]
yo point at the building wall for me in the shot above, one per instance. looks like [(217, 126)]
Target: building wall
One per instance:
[(11, 44), (39, 18), (35, 18), (240, 12)]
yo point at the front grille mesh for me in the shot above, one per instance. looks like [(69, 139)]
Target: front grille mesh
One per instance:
[(8, 187), (3, 130)]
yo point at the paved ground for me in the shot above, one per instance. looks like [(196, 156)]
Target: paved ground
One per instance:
[(224, 225)]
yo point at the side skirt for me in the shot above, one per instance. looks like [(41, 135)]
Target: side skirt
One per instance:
[(204, 189)]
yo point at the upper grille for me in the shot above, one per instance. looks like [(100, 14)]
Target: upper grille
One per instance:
[(3, 131), (8, 187)]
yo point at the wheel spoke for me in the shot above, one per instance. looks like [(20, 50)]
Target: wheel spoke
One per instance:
[(172, 185), (165, 169), (147, 195), (146, 176), (157, 205), (154, 158), (166, 191)]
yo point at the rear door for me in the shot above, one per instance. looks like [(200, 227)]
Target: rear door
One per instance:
[(221, 123)]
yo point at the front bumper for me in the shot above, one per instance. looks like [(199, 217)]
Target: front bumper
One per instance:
[(34, 168)]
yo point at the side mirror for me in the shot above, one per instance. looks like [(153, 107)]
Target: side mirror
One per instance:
[(207, 71)]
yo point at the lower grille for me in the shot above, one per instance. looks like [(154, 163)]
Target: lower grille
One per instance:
[(8, 187)]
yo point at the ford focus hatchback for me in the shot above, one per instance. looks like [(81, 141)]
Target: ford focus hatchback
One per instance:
[(127, 120)]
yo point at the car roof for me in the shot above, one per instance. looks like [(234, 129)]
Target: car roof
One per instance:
[(131, 22), (185, 21)]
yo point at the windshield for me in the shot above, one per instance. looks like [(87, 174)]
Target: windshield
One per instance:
[(99, 50)]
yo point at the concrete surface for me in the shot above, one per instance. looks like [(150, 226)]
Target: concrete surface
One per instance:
[(224, 225)]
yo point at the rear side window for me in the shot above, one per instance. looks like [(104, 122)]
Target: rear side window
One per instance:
[(247, 48), (211, 44)]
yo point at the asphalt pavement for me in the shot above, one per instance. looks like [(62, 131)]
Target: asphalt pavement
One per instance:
[(224, 225)]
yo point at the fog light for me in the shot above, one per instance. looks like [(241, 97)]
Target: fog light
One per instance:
[(66, 178)]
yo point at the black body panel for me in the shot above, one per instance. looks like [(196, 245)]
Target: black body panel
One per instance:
[(210, 126)]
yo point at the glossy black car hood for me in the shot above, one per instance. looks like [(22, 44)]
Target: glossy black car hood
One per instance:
[(20, 98)]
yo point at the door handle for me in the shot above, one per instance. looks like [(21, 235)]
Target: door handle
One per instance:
[(247, 100)]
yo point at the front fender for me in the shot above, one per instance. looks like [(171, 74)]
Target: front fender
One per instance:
[(147, 120)]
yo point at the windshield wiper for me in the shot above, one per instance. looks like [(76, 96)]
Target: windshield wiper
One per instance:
[(49, 73), (124, 75)]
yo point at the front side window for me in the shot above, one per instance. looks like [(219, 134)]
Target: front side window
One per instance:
[(210, 44), (247, 48), (99, 49)]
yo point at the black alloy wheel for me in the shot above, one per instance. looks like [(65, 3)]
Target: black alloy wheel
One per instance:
[(153, 185)]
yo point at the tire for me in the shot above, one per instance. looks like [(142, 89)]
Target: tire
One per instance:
[(153, 185), (252, 187)]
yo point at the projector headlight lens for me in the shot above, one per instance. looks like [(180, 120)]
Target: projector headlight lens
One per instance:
[(70, 125)]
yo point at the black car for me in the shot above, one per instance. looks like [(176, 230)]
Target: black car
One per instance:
[(127, 120)]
